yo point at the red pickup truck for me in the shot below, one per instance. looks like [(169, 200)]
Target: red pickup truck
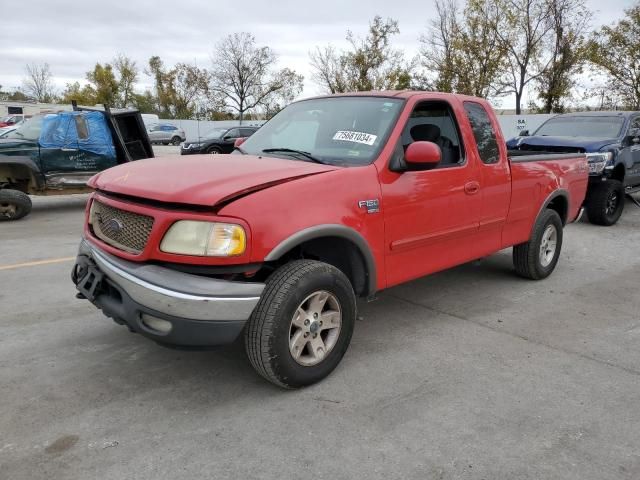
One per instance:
[(335, 198)]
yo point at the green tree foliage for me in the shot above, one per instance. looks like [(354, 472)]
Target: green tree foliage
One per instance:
[(370, 63), (110, 84), (616, 51), (568, 51), (127, 71), (104, 84), (180, 90), (244, 76), (462, 52)]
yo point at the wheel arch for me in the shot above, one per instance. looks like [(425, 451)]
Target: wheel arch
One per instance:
[(341, 246), (21, 173), (557, 201)]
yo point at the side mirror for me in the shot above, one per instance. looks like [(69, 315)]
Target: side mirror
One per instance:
[(423, 154), (524, 133), (239, 141)]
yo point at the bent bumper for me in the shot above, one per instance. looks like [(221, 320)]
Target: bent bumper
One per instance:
[(171, 307)]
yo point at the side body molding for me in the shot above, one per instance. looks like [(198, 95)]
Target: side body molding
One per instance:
[(331, 230)]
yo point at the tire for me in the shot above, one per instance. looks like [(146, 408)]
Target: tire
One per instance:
[(176, 140), (14, 205), (274, 326), (214, 151), (606, 203), (528, 258)]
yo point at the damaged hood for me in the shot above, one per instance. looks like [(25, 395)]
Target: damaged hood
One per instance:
[(205, 180)]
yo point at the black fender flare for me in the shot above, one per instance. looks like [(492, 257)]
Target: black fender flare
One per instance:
[(555, 194), (331, 230), (29, 164)]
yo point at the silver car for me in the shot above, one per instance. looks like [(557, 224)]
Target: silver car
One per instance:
[(166, 134)]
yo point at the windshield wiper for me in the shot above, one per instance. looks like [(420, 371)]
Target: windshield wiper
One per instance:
[(291, 150)]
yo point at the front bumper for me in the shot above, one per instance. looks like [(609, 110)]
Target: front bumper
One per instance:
[(170, 307), (191, 150)]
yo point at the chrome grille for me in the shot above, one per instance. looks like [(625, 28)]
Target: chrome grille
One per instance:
[(124, 230)]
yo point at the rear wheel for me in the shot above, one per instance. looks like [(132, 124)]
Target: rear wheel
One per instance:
[(14, 204), (537, 258), (302, 326), (606, 203)]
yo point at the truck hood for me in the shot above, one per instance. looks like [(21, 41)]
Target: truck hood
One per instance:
[(572, 144), (205, 180), (16, 143)]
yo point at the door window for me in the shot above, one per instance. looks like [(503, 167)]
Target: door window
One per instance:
[(233, 133), (434, 122), (483, 132)]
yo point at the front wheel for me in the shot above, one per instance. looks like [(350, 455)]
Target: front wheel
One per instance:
[(537, 258), (14, 204), (606, 203), (176, 140), (214, 151), (302, 326)]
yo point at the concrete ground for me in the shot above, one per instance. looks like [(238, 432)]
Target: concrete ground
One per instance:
[(468, 374)]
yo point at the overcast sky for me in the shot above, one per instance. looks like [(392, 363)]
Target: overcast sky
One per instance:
[(72, 35)]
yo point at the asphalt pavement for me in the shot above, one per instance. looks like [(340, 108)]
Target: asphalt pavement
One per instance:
[(472, 373)]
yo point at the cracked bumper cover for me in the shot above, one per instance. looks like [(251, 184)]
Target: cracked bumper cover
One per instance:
[(192, 310)]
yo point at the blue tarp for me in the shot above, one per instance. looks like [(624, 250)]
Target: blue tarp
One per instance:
[(89, 132)]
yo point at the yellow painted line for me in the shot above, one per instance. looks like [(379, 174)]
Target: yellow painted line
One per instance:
[(37, 263)]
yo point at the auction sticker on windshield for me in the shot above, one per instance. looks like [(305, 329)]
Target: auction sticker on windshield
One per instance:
[(355, 137)]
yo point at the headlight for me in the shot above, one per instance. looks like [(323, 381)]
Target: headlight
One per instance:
[(204, 239), (598, 161)]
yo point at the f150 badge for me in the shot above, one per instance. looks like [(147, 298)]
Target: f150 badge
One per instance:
[(372, 206)]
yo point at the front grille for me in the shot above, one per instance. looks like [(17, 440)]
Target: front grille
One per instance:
[(124, 230)]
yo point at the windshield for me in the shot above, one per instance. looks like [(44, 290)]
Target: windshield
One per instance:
[(587, 126), (337, 130), (29, 130)]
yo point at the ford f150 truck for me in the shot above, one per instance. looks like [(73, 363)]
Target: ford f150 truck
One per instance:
[(334, 198), (611, 141)]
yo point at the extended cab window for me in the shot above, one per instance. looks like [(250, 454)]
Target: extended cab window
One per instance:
[(81, 127), (483, 132), (434, 122)]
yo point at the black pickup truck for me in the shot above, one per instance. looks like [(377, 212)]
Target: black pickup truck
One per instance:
[(56, 153), (611, 141)]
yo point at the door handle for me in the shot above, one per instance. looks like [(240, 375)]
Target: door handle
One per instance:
[(472, 188), (64, 149)]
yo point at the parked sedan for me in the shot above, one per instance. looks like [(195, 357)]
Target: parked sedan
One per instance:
[(217, 141), (166, 134)]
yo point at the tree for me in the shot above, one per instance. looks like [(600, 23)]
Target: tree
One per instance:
[(127, 71), (568, 51), (521, 27), (84, 95), (38, 83), (104, 84), (179, 90), (463, 53), (616, 51), (244, 74), (369, 63)]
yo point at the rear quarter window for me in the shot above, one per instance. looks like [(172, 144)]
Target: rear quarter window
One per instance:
[(483, 132)]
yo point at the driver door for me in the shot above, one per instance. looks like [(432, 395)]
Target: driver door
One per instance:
[(633, 169), (229, 140)]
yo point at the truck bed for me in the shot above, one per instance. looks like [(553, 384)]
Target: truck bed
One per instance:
[(538, 179)]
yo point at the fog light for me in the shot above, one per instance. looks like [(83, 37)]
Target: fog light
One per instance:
[(155, 323)]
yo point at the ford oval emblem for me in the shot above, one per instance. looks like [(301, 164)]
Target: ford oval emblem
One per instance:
[(113, 227)]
